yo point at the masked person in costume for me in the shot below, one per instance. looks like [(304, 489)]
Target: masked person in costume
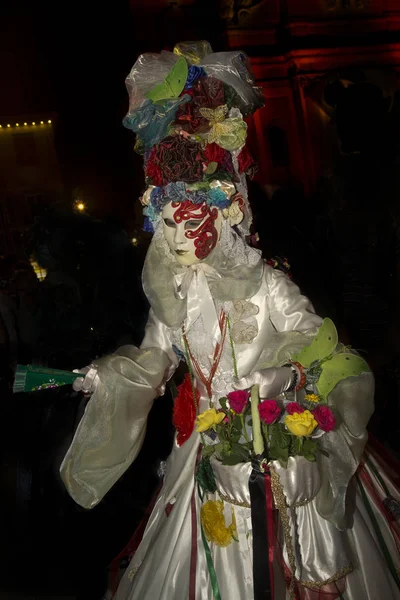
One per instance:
[(267, 492)]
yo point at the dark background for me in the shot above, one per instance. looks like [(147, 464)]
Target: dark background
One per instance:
[(332, 211)]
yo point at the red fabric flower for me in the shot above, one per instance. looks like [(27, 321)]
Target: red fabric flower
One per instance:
[(184, 414), (153, 172), (269, 411), (177, 159), (246, 162), (214, 153), (294, 407), (222, 157), (238, 400), (207, 92), (325, 418)]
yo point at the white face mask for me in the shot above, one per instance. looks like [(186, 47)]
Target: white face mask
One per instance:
[(191, 230)]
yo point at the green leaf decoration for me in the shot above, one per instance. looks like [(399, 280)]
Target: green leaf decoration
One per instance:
[(339, 367), (309, 446), (223, 433), (208, 451), (173, 84), (223, 402), (231, 459), (278, 453), (205, 476), (295, 445), (322, 345), (279, 437), (235, 435), (309, 456), (237, 423), (240, 451), (211, 168)]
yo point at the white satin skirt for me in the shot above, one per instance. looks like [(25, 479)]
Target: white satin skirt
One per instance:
[(170, 562)]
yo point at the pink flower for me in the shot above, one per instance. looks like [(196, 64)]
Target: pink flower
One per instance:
[(325, 418), (294, 407), (269, 411), (238, 400)]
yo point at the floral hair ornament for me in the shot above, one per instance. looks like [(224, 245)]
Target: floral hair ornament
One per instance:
[(220, 194)]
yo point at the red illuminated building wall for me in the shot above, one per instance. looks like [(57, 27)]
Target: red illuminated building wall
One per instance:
[(298, 48)]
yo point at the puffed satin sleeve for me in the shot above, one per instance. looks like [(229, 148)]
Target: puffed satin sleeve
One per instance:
[(289, 310), (112, 429), (352, 401)]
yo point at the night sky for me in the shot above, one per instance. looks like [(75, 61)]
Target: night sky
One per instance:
[(72, 59)]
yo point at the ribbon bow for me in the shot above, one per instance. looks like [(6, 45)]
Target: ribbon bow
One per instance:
[(193, 286)]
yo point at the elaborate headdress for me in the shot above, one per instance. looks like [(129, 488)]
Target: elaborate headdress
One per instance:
[(186, 108)]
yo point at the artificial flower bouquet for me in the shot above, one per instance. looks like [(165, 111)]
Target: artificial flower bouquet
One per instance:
[(244, 428)]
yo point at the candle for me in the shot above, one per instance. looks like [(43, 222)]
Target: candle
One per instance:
[(258, 442)]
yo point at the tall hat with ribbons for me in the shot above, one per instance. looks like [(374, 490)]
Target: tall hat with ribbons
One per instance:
[(187, 109)]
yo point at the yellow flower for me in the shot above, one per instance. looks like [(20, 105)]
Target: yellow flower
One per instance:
[(311, 398), (301, 423), (208, 418), (213, 521)]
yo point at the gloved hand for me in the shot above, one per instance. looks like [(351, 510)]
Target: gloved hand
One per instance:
[(272, 381), (89, 383)]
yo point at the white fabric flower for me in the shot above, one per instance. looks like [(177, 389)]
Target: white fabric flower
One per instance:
[(234, 213), (145, 199)]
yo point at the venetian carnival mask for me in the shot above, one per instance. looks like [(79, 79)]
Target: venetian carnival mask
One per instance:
[(191, 230), (192, 218)]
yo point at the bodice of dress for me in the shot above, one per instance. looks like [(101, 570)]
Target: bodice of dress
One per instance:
[(263, 331)]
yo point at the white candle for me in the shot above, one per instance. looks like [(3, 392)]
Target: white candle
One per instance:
[(258, 442)]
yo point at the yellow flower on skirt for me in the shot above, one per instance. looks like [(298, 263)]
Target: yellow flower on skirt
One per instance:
[(301, 423), (208, 418), (213, 521)]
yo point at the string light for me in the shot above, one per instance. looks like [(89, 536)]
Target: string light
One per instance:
[(26, 124)]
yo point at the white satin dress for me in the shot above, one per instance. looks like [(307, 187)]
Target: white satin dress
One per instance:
[(334, 541)]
